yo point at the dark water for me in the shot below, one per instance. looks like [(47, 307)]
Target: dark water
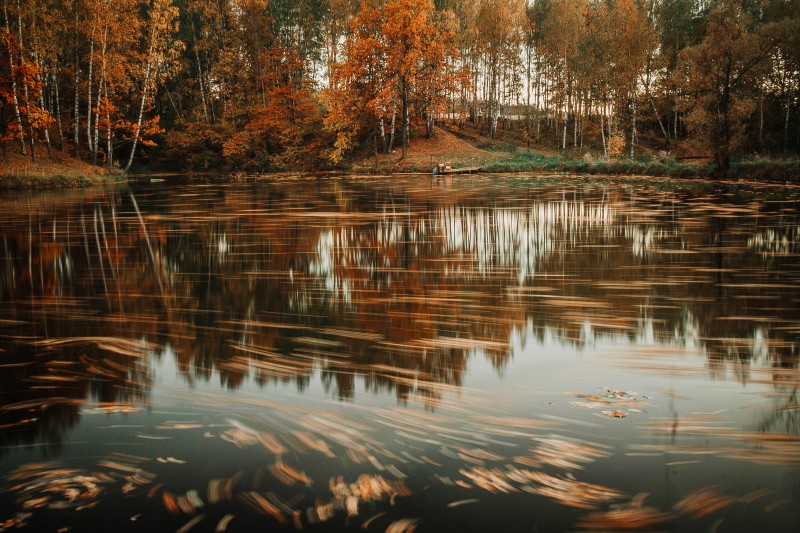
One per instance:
[(486, 353)]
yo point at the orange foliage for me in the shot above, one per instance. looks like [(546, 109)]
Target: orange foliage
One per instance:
[(395, 60), (20, 89), (282, 133)]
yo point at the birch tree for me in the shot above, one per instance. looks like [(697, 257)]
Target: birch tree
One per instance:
[(161, 50)]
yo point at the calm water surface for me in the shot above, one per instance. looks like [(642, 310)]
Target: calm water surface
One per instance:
[(485, 353)]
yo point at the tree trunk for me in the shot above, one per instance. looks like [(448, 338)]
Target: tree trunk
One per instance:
[(660, 123), (109, 137), (603, 135), (138, 129), (96, 142), (92, 153), (404, 132), (675, 125), (392, 130), (574, 129), (32, 142), (429, 124), (100, 90), (76, 133), (42, 105), (761, 121), (633, 126), (786, 125), (723, 157), (200, 78), (58, 116), (375, 144), (15, 99), (528, 100)]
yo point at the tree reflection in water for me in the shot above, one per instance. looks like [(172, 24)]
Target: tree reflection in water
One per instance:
[(395, 287)]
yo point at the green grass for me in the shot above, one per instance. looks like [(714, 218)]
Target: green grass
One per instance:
[(528, 161), (767, 170), (759, 169)]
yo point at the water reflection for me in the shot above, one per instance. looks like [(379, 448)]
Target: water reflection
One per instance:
[(397, 288), (210, 272)]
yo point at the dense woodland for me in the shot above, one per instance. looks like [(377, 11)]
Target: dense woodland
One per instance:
[(279, 84)]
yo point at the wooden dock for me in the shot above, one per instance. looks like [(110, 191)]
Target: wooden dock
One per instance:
[(465, 170)]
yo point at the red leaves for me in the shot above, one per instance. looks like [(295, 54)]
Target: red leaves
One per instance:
[(285, 127)]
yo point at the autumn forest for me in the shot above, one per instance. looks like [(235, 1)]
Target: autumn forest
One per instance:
[(270, 85)]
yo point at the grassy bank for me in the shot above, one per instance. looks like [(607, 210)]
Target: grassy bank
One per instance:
[(55, 171), (60, 170), (529, 161), (755, 169)]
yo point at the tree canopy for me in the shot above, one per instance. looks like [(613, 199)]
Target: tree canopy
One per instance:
[(276, 84)]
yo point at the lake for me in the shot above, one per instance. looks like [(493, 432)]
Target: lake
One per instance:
[(474, 353)]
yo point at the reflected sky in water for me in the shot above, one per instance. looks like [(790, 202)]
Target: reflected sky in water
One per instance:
[(401, 352)]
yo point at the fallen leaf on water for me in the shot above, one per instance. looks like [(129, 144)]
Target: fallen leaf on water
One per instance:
[(170, 502), (616, 413), (261, 504), (703, 501), (366, 524), (222, 525), (750, 497), (771, 507), (191, 523), (151, 437), (288, 475), (462, 502), (404, 525), (630, 518), (179, 425)]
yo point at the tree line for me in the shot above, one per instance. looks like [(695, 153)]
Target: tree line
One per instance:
[(279, 84)]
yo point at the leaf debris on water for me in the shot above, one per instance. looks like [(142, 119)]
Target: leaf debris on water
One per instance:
[(191, 523), (222, 525), (625, 518), (703, 501), (404, 525), (463, 502)]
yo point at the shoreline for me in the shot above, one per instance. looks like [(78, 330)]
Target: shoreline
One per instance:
[(61, 182), (55, 176), (57, 181)]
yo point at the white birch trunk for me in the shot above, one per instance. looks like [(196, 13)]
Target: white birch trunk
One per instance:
[(633, 128), (58, 116), (109, 137), (603, 135), (786, 124), (89, 102), (76, 133), (138, 129), (658, 117), (392, 129), (15, 99)]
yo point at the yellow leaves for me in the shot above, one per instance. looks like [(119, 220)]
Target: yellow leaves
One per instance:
[(616, 145), (342, 145)]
